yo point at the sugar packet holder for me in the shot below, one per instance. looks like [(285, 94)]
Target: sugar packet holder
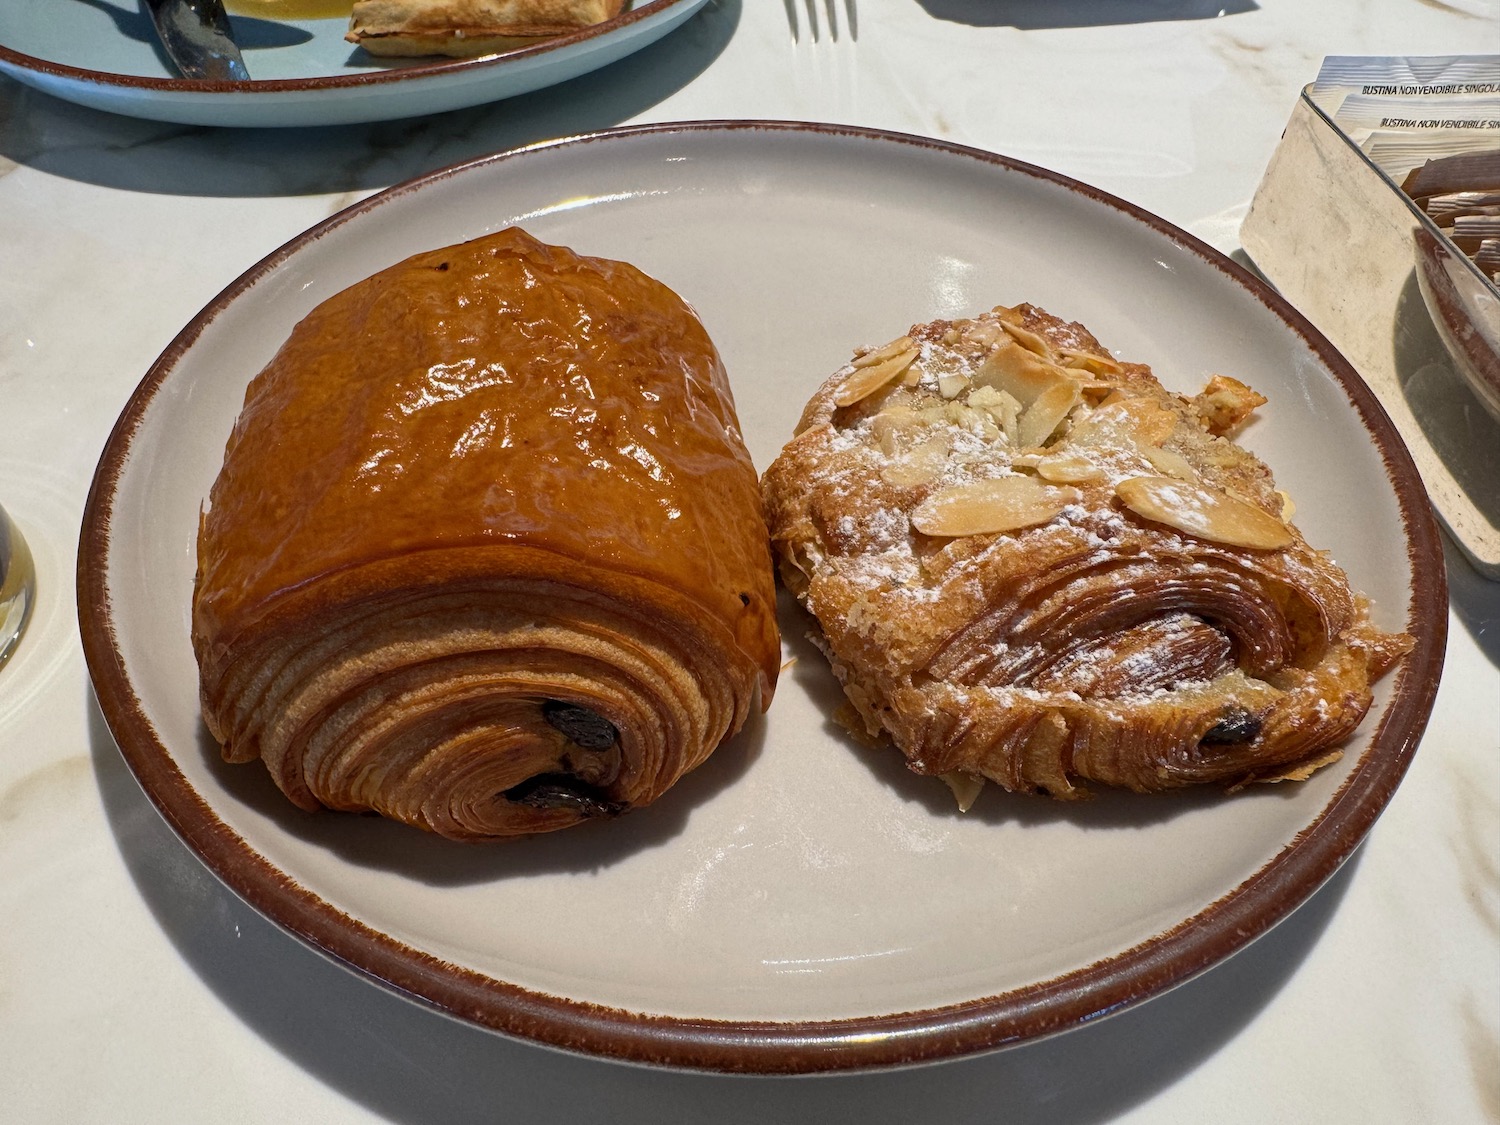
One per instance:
[(1334, 232)]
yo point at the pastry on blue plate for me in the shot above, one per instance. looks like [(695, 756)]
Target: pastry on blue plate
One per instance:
[(469, 28)]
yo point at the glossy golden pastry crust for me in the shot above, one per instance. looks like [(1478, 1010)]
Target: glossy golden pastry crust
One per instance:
[(468, 28), (486, 553), (1029, 563)]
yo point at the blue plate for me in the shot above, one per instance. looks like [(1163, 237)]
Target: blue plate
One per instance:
[(104, 54)]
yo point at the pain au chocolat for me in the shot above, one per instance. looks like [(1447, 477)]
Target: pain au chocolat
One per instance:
[(486, 553), (1031, 564)]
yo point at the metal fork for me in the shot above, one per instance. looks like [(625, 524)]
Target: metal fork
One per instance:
[(808, 10)]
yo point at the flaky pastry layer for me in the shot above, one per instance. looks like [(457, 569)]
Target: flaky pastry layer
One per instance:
[(1031, 564), (486, 553), (468, 28)]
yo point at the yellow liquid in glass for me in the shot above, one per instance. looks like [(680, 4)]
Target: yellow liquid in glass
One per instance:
[(17, 585)]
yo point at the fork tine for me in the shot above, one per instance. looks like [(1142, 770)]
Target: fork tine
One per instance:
[(795, 10)]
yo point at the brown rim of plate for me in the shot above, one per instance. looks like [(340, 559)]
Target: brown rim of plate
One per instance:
[(983, 1024), (391, 73)]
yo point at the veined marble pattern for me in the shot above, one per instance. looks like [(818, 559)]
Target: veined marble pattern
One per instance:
[(134, 988)]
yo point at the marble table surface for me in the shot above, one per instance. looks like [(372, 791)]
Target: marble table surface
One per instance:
[(135, 988)]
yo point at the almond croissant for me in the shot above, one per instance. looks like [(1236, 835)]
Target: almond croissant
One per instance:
[(1029, 563)]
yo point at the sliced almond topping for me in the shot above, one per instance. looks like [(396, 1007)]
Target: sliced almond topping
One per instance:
[(1019, 373), (883, 353), (920, 466), (1028, 339), (892, 424), (949, 386), (1088, 361), (1067, 468), (984, 332), (1046, 413), (1098, 428), (1204, 512), (1120, 417), (989, 506), (1168, 463), (1288, 509), (1001, 407), (1153, 425), (865, 381), (977, 422)]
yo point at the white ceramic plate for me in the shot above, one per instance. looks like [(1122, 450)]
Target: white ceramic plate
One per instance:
[(103, 54), (799, 903)]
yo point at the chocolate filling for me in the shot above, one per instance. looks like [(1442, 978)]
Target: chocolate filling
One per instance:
[(1236, 726), (583, 727), (562, 791)]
